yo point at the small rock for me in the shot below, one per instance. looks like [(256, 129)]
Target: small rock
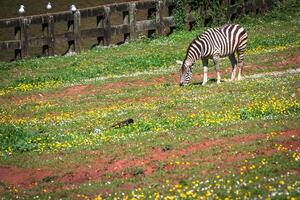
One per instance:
[(97, 131)]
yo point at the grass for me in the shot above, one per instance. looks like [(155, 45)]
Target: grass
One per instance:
[(55, 71), (56, 115)]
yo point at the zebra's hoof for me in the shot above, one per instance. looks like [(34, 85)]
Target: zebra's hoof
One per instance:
[(204, 83)]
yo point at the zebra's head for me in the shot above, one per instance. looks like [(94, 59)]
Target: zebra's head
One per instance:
[(185, 72)]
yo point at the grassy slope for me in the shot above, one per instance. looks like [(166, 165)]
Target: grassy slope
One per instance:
[(159, 53), (42, 126)]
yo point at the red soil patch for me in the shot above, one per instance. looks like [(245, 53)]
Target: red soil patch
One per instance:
[(291, 133), (89, 89), (17, 99), (235, 158), (85, 89), (128, 186), (222, 142), (291, 145), (21, 177), (149, 170), (103, 167), (253, 67), (159, 79), (69, 91), (79, 89), (123, 84), (159, 155), (85, 173), (290, 61), (169, 167)]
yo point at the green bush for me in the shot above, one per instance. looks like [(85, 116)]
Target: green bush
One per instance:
[(16, 138)]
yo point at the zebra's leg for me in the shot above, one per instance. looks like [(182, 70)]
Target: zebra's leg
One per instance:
[(233, 64), (216, 60), (240, 64), (205, 70)]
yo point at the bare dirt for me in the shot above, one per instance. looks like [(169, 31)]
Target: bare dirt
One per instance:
[(290, 61), (88, 89), (21, 177), (101, 168), (67, 92)]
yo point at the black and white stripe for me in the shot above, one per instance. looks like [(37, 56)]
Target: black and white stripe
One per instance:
[(215, 43)]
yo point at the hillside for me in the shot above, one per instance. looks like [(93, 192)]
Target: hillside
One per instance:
[(234, 140)]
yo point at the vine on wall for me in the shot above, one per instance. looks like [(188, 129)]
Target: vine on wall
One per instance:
[(179, 13), (208, 12)]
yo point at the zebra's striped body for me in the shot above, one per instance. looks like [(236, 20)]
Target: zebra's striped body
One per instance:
[(214, 44)]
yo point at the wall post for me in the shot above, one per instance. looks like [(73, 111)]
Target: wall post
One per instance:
[(151, 16), (132, 21), (100, 39), (159, 18), (71, 43), (18, 37), (74, 27), (126, 22), (51, 37), (171, 13), (24, 37), (107, 26), (77, 35), (48, 33)]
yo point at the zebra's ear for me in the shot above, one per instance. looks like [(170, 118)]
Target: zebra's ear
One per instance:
[(179, 62)]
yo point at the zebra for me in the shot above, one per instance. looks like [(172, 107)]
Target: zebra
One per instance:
[(214, 44)]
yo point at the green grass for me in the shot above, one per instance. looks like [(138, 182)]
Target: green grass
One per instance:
[(63, 127), (46, 124), (134, 57)]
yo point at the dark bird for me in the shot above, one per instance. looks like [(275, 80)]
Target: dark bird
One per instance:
[(122, 123)]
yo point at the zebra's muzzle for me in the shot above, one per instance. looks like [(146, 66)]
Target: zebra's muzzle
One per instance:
[(183, 84)]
